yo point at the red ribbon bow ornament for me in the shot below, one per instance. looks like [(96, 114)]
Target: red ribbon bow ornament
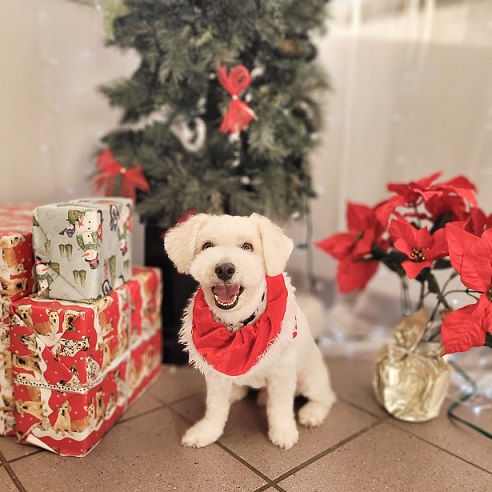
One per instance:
[(131, 178), (239, 115)]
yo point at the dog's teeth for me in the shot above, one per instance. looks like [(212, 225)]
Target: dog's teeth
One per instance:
[(226, 304)]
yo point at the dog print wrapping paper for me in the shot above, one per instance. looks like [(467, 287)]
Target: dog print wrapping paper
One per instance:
[(82, 248), (16, 257), (77, 366), (16, 281)]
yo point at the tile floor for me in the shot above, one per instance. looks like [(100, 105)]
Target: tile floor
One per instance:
[(359, 448)]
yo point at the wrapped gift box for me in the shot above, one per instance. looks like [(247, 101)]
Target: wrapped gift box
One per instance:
[(82, 248), (7, 406), (71, 360), (72, 423), (16, 257), (16, 281)]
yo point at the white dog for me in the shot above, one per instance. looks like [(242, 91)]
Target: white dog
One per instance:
[(243, 327)]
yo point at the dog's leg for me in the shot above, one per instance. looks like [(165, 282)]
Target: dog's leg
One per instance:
[(238, 393), (315, 386), (211, 427), (281, 386)]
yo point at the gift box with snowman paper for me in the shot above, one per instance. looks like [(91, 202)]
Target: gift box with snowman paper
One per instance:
[(82, 248)]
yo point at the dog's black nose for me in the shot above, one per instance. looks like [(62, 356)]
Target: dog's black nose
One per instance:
[(225, 271)]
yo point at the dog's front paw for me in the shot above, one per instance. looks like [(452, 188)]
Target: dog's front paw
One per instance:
[(313, 413), (200, 435), (284, 437)]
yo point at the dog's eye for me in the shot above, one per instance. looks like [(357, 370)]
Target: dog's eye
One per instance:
[(247, 246), (207, 245)]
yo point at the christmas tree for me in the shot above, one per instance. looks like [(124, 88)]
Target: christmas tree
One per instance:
[(222, 112)]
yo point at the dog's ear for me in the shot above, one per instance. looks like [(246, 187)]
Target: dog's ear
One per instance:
[(180, 242), (277, 247)]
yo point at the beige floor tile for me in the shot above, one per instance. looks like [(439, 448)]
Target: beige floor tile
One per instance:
[(351, 379), (6, 483), (177, 383), (140, 454), (12, 450), (453, 436), (386, 458), (246, 434), (143, 405)]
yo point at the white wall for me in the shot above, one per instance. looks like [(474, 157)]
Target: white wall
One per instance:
[(412, 93)]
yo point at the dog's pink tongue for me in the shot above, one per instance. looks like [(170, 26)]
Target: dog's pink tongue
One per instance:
[(226, 292)]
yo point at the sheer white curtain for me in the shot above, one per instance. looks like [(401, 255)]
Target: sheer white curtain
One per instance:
[(412, 94)]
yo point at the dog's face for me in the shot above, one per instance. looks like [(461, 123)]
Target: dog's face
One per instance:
[(25, 312), (64, 409), (229, 256)]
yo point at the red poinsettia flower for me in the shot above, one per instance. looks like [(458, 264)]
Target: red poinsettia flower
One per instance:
[(354, 271), (471, 257), (424, 189), (453, 205), (413, 191), (466, 327), (459, 185), (419, 245), (477, 222)]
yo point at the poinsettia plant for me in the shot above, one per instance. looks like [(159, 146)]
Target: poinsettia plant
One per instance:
[(423, 227)]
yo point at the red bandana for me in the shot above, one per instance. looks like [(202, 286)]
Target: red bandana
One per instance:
[(236, 353)]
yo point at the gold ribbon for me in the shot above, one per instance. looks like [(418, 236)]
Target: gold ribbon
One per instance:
[(411, 378)]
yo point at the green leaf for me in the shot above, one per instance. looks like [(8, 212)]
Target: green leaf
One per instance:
[(432, 284), (441, 222), (488, 340), (442, 264)]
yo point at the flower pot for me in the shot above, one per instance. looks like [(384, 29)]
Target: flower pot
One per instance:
[(412, 385)]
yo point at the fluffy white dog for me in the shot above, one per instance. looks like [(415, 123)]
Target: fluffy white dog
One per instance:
[(243, 328)]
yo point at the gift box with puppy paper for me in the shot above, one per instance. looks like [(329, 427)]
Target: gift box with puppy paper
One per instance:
[(16, 257), (16, 281), (7, 406), (72, 359), (82, 248)]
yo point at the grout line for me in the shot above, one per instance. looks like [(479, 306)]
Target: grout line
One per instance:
[(36, 451), (14, 478), (393, 424), (362, 409), (280, 489), (232, 453), (273, 483), (179, 400), (245, 463), (5, 461), (129, 419), (326, 452), (161, 406), (267, 486)]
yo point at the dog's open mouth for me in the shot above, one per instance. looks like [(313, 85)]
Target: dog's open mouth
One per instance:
[(227, 295)]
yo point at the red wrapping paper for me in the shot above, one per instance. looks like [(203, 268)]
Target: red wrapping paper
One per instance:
[(16, 281), (16, 256), (77, 366)]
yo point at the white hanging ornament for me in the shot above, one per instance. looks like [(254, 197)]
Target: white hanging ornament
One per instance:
[(191, 133)]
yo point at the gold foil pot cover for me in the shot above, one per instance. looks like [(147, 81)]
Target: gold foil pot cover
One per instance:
[(411, 378)]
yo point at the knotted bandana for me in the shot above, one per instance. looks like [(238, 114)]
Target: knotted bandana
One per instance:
[(236, 353)]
